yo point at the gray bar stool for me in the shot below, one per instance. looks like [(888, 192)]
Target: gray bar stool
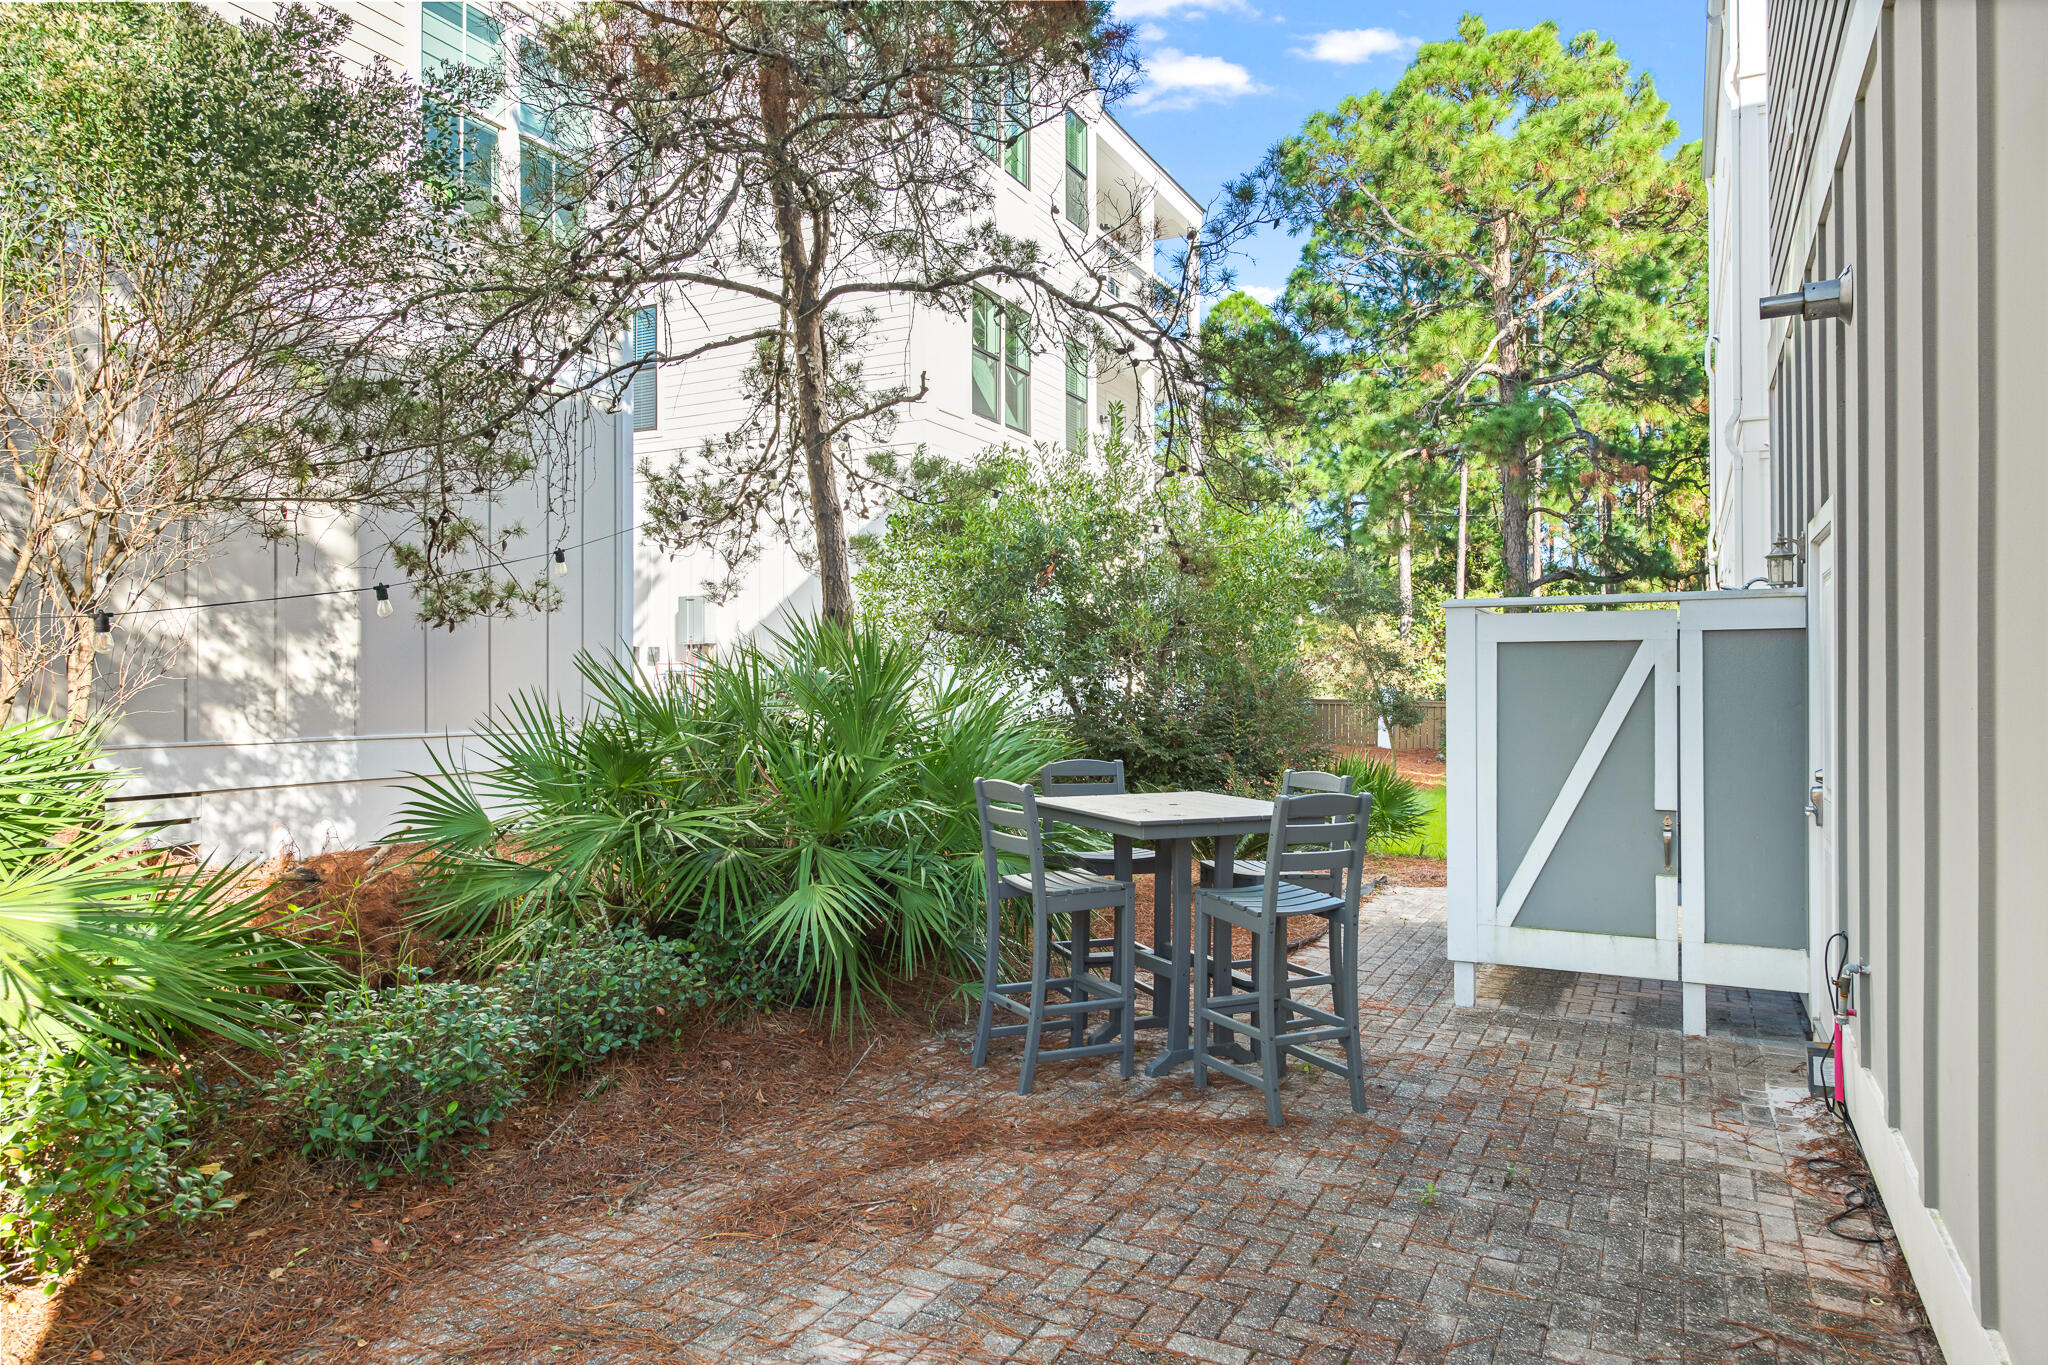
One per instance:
[(1245, 871), (1315, 832), (1096, 777), (1010, 824)]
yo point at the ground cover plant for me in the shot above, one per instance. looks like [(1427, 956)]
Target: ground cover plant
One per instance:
[(392, 1079), (93, 1150), (809, 807)]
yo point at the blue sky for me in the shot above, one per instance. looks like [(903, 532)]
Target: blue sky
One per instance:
[(1226, 79)]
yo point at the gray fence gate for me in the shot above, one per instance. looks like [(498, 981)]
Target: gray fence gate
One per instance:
[(1626, 789)]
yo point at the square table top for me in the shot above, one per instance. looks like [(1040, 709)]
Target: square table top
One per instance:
[(1162, 815)]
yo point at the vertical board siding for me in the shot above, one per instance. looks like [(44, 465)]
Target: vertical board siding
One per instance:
[(1918, 425), (1805, 39)]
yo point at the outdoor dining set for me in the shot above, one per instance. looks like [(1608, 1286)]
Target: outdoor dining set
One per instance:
[(1245, 1017)]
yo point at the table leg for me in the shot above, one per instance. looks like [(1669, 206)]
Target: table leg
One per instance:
[(1173, 854), (1120, 848)]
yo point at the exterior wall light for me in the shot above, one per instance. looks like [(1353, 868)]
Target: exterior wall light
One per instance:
[(1781, 565), (1814, 300)]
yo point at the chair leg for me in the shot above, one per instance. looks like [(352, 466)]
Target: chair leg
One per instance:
[(1204, 987), (1081, 938), (1274, 1057), (1041, 954), (1127, 979), (1347, 1008), (991, 967)]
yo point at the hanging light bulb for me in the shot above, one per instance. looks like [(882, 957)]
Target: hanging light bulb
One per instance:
[(561, 563), (102, 631), (383, 600)]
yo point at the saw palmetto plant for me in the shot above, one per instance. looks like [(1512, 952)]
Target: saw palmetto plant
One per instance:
[(814, 800), (101, 940)]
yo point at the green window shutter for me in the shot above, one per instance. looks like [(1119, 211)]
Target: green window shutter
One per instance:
[(1077, 396), (1077, 170), (987, 361), (646, 396), (1017, 133), (1016, 371)]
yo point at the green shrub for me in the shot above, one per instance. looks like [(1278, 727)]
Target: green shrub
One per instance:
[(737, 976), (391, 1078), (1399, 810), (603, 990), (91, 1153), (1153, 619)]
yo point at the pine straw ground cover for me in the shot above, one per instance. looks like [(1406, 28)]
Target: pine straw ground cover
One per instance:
[(307, 1250)]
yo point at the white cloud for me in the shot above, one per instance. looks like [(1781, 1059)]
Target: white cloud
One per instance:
[(1191, 9), (1348, 46), (1181, 80), (1264, 293), (1150, 33)]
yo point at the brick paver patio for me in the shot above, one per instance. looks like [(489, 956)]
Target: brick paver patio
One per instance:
[(1556, 1175)]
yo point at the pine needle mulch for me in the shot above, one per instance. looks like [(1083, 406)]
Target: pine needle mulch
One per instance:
[(307, 1247)]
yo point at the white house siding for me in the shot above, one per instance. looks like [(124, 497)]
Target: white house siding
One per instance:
[(284, 722), (1738, 200), (699, 399), (1905, 146)]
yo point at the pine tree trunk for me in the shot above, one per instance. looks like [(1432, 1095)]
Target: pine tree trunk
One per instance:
[(801, 273), (1514, 472)]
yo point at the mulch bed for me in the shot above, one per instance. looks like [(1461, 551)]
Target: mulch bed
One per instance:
[(307, 1253)]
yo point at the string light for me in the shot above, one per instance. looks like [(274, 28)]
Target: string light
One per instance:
[(103, 619)]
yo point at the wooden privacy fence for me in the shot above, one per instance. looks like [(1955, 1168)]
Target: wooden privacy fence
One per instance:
[(1345, 724)]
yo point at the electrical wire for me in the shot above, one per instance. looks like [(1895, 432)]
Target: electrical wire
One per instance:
[(329, 592)]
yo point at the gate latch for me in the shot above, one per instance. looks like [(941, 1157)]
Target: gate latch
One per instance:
[(1667, 843), (1813, 797)]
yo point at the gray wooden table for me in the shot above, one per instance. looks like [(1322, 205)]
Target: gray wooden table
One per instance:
[(1169, 820)]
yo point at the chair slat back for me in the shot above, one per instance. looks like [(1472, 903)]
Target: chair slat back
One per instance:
[(1009, 824), (1295, 781), (1317, 832), (1082, 777)]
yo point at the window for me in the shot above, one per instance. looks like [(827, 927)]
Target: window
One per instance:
[(545, 190), (646, 397), (1001, 363), (1017, 131), (1077, 396), (465, 146), (466, 38), (456, 35), (1001, 119), (1077, 171)]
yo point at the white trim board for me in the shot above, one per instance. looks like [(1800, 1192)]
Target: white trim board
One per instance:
[(1938, 1272)]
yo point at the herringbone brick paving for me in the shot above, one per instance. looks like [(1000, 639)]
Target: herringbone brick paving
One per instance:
[(1555, 1175)]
